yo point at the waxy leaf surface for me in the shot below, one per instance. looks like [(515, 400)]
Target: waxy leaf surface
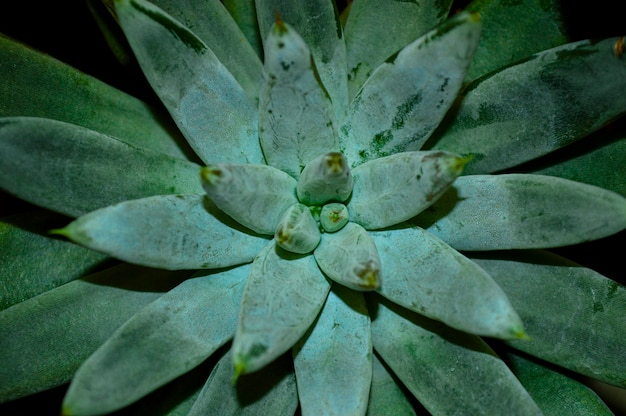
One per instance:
[(386, 396)]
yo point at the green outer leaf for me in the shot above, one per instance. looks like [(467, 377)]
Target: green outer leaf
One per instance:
[(283, 295), (496, 212), (376, 29), (555, 393), (513, 30), (269, 391), (573, 315), (73, 170), (212, 23), (434, 277), (449, 372), (168, 232), (244, 13), (333, 362), (317, 21), (53, 333), (32, 263), (552, 99), (162, 341), (193, 84), (386, 396), (406, 97), (34, 84)]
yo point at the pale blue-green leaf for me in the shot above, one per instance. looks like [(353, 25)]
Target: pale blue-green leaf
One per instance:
[(283, 296), (32, 263), (255, 196), (298, 232), (244, 14), (349, 257), (325, 178), (162, 341), (386, 396), (168, 232), (47, 337), (496, 212), (74, 170), (393, 189), (513, 30), (211, 22), (405, 98), (333, 362), (449, 372), (376, 29), (205, 100), (34, 84), (573, 315), (296, 118), (317, 21), (425, 275), (269, 391), (555, 393), (551, 99)]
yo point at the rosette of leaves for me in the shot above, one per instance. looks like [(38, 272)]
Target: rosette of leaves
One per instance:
[(294, 232)]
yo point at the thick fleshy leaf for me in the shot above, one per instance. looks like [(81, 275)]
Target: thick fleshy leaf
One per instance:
[(317, 21), (515, 30), (325, 178), (333, 217), (424, 274), (552, 99), (406, 97), (395, 188), (269, 391), (162, 341), (211, 22), (283, 295), (168, 232), (555, 393), (53, 333), (376, 29), (350, 258), (244, 14), (386, 396), (449, 372), (573, 315), (255, 196), (333, 362), (298, 231), (496, 212), (33, 263), (45, 87), (73, 170), (193, 84), (296, 117)]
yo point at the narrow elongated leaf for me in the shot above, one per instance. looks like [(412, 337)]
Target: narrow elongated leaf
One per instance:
[(555, 393), (211, 22), (376, 29), (45, 87), (53, 333), (386, 396), (574, 316), (26, 269), (73, 170), (192, 83), (333, 362), (244, 14), (449, 372), (406, 97), (495, 212), (393, 189), (430, 279), (269, 391), (169, 232), (162, 341), (296, 117), (283, 295), (317, 21), (552, 99)]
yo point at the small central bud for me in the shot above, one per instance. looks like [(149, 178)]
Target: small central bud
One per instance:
[(325, 178), (333, 217)]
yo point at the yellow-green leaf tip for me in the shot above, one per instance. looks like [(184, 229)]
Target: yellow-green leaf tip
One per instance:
[(65, 232), (240, 368)]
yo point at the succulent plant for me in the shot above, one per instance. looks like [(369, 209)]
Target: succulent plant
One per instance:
[(338, 213)]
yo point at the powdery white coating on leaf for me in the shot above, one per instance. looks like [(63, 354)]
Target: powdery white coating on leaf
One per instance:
[(296, 117), (386, 396), (297, 231), (325, 178)]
